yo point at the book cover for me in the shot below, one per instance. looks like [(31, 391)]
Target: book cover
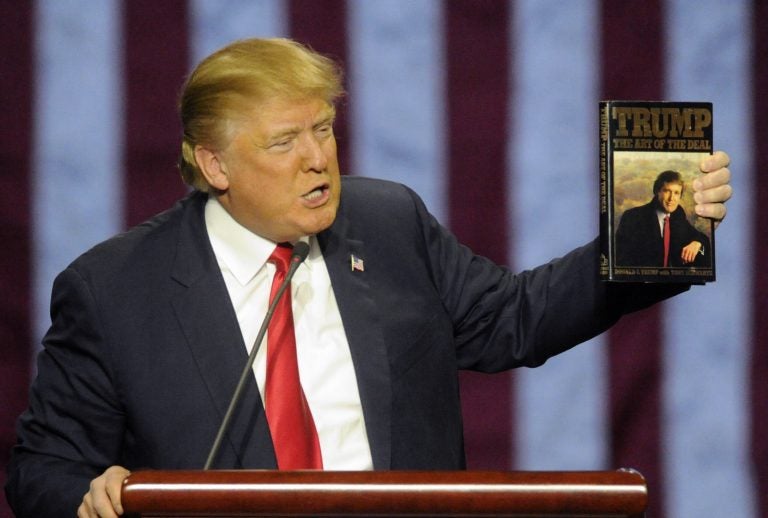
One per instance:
[(649, 157)]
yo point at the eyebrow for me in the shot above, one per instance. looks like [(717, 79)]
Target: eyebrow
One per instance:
[(326, 118), (283, 133)]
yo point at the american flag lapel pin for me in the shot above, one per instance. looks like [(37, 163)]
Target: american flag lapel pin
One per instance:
[(356, 263)]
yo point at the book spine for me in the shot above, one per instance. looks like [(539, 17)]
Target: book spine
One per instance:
[(606, 198)]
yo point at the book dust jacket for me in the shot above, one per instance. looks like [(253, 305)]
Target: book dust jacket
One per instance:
[(649, 157)]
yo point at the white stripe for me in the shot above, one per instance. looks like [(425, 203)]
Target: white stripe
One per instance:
[(552, 192), (77, 167), (215, 23), (706, 332), (396, 87)]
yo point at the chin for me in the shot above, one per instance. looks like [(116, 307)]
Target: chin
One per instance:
[(316, 229), (318, 224)]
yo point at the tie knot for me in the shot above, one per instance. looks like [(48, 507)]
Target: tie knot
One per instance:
[(281, 257)]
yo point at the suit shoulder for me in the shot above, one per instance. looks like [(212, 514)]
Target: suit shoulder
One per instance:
[(378, 197), (637, 213), (679, 213), (382, 206), (360, 187), (146, 243), (385, 192)]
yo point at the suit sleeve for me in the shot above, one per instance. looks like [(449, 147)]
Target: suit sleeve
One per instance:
[(504, 320), (632, 243), (74, 427), (705, 257)]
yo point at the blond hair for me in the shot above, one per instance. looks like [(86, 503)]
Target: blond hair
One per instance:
[(238, 77)]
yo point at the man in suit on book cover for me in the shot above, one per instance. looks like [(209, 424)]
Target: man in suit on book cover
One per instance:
[(659, 233)]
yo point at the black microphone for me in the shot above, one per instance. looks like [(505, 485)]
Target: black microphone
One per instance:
[(300, 252)]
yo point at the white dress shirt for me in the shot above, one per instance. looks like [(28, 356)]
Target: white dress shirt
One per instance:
[(660, 214), (325, 362)]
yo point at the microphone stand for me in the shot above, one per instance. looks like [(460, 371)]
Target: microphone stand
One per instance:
[(300, 252)]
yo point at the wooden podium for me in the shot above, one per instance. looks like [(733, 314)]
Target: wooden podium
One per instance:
[(158, 494)]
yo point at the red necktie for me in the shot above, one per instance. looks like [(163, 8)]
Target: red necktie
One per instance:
[(666, 240), (290, 421)]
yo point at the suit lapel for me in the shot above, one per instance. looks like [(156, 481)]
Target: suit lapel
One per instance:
[(362, 325), (653, 235), (208, 319)]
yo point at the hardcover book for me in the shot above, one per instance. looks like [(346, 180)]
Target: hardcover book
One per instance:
[(649, 157)]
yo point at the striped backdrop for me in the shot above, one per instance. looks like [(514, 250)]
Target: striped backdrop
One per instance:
[(488, 109)]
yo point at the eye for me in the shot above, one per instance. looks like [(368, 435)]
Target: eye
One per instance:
[(281, 145), (324, 130)]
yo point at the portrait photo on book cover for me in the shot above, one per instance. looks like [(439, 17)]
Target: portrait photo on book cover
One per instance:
[(653, 208)]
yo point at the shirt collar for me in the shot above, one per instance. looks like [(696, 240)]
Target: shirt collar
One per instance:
[(236, 248)]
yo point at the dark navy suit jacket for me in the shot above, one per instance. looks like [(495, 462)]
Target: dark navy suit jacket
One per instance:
[(144, 350), (639, 241)]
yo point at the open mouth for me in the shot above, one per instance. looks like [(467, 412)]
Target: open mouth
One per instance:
[(317, 195)]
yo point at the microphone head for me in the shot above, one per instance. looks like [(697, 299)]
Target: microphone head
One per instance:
[(300, 252)]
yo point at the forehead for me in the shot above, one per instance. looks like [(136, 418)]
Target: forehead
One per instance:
[(671, 186), (286, 111)]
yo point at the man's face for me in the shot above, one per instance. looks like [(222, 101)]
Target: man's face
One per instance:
[(282, 173), (669, 196)]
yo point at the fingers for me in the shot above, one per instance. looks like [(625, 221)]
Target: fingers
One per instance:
[(715, 178), (713, 189), (103, 499), (710, 202), (115, 477), (717, 160), (92, 506), (717, 194), (714, 211), (689, 252), (86, 508)]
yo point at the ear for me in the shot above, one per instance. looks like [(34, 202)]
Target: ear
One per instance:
[(213, 168)]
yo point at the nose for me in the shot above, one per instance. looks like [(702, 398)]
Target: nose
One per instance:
[(313, 155)]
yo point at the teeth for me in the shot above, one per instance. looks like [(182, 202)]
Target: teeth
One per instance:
[(314, 194)]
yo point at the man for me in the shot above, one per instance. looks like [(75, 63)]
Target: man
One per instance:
[(658, 233), (151, 329)]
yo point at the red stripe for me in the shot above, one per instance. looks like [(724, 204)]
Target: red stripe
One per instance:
[(322, 24), (759, 359), (477, 97), (155, 66), (633, 68), (16, 90)]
